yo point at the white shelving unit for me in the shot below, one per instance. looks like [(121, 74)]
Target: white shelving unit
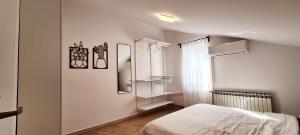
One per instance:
[(150, 83)]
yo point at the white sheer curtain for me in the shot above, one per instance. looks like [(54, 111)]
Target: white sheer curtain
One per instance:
[(196, 72)]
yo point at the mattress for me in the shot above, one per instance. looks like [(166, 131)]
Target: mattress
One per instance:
[(205, 119)]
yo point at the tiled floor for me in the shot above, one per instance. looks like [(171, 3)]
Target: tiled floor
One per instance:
[(131, 126)]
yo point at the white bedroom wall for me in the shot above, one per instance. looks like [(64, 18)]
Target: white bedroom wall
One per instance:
[(89, 96), (267, 67), (39, 90)]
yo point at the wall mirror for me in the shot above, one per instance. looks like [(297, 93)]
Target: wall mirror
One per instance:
[(124, 68)]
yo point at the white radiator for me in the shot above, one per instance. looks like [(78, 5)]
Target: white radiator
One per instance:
[(249, 100)]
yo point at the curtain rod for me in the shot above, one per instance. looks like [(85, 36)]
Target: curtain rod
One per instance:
[(208, 38)]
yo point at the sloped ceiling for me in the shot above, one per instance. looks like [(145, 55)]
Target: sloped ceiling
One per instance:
[(274, 21)]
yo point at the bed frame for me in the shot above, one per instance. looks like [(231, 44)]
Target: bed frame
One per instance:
[(249, 100)]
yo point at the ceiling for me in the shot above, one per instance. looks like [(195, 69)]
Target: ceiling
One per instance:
[(274, 21)]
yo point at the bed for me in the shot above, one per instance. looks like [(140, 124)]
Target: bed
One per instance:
[(205, 119)]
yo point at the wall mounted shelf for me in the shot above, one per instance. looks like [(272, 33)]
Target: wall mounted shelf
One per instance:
[(154, 105), (163, 76), (141, 81), (145, 96)]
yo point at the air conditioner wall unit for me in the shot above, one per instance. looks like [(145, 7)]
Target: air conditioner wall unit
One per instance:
[(237, 47)]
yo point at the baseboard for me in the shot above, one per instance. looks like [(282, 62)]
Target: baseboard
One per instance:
[(172, 106)]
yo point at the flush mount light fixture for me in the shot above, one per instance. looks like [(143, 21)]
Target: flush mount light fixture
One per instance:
[(166, 18), (243, 33)]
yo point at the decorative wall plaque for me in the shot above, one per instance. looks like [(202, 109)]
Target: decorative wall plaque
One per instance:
[(79, 56), (100, 56)]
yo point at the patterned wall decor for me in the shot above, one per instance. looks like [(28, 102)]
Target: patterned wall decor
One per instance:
[(100, 56), (79, 56)]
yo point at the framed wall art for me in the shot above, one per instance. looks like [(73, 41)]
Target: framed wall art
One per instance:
[(79, 56), (100, 56)]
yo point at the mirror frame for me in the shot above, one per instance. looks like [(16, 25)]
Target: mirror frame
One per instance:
[(118, 68)]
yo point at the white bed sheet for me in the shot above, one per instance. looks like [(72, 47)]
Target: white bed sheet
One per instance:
[(204, 119)]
